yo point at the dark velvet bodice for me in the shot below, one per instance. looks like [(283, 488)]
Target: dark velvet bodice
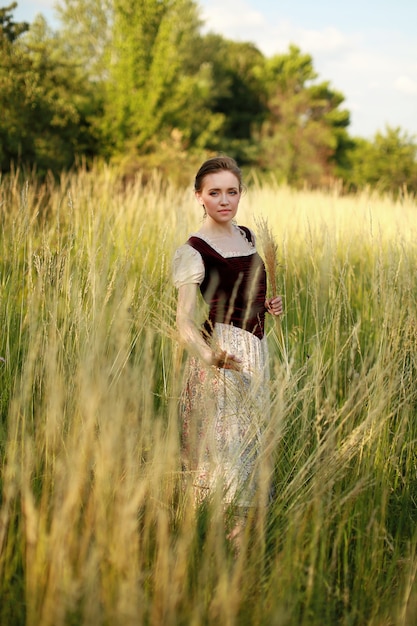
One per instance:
[(234, 287)]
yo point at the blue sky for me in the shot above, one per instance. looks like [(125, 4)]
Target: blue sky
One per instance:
[(367, 49)]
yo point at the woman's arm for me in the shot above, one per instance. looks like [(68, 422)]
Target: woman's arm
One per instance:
[(189, 333), (192, 337)]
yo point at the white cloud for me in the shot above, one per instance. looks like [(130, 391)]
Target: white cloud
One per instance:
[(237, 20), (405, 84), (231, 17), (329, 40)]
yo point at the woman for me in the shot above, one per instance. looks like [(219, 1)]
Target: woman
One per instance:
[(225, 398)]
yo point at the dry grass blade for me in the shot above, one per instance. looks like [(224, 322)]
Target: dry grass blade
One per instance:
[(270, 251)]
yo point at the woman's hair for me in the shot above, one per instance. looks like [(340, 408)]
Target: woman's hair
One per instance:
[(217, 164)]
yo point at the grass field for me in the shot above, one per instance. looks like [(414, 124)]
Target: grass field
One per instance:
[(96, 526)]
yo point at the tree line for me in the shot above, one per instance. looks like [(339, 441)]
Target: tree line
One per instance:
[(137, 83)]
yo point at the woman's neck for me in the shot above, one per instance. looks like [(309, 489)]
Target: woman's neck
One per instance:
[(214, 229)]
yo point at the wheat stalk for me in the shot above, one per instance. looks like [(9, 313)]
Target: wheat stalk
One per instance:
[(270, 252)]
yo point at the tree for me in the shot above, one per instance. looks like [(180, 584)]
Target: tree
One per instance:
[(387, 163), (67, 104), (13, 71), (44, 103), (86, 34), (236, 94), (304, 134), (146, 89), (9, 30)]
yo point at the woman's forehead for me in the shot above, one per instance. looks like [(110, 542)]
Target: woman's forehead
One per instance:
[(221, 179)]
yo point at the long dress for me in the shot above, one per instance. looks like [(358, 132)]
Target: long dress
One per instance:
[(224, 412)]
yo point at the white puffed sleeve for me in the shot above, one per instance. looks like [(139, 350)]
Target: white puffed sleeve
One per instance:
[(187, 266)]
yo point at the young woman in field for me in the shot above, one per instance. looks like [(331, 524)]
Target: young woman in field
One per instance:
[(225, 398)]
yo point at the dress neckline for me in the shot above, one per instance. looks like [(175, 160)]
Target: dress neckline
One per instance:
[(229, 254)]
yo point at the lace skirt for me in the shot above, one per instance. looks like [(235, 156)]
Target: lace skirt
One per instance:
[(223, 417)]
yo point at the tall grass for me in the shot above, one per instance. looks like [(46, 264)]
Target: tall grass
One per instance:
[(97, 524)]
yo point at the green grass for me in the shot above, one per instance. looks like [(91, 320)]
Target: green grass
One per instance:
[(96, 524)]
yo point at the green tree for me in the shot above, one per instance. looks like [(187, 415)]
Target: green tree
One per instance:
[(140, 58), (86, 34), (67, 104), (303, 137), (10, 30), (44, 103), (146, 88), (14, 68), (164, 83), (387, 163), (236, 93)]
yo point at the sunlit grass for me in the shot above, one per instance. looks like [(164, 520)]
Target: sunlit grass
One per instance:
[(96, 524)]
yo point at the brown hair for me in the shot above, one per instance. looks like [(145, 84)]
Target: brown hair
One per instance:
[(217, 164)]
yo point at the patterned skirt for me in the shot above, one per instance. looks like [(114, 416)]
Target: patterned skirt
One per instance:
[(223, 418)]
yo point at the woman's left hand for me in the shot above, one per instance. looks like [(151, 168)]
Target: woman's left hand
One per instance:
[(274, 305)]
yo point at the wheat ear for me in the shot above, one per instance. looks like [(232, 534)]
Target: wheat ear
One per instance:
[(270, 252)]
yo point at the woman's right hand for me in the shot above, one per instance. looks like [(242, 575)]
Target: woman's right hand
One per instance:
[(224, 360)]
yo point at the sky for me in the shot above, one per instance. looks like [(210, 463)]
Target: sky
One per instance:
[(365, 49)]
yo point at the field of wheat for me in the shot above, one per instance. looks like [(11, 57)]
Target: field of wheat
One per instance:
[(97, 526)]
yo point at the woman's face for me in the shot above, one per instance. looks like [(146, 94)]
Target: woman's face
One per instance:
[(220, 194)]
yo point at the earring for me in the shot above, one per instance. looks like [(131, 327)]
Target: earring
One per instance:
[(205, 212)]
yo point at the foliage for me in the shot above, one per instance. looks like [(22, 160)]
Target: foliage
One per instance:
[(45, 105), (388, 163), (147, 89), (86, 35), (9, 30), (305, 131), (236, 92)]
